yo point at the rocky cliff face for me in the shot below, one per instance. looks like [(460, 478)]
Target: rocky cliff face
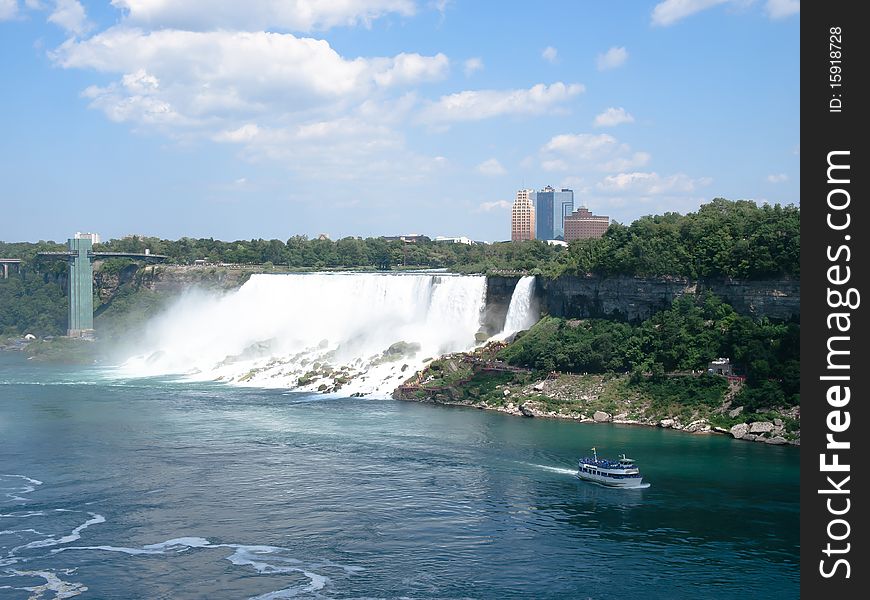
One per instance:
[(498, 299), (576, 297), (637, 298)]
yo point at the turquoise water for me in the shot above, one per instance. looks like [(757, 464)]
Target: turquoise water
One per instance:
[(160, 489)]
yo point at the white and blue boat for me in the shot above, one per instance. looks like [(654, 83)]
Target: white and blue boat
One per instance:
[(622, 473)]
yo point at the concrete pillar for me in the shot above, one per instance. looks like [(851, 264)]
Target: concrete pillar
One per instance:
[(5, 270)]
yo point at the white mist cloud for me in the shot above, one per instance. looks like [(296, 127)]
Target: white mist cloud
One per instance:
[(8, 9), (494, 205), (70, 15), (779, 9), (550, 54), (777, 178), (472, 66), (613, 58), (485, 104), (491, 167), (670, 11), (651, 184), (613, 117)]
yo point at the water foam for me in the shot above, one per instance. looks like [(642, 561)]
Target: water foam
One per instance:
[(21, 487), (265, 560), (61, 589), (362, 333)]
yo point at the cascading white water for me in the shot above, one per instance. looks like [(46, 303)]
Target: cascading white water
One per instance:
[(521, 313), (359, 332)]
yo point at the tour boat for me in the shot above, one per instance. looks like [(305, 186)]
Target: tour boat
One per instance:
[(620, 473)]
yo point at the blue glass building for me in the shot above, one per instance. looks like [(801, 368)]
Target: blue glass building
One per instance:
[(551, 208)]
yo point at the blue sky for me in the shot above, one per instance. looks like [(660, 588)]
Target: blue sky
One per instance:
[(270, 118)]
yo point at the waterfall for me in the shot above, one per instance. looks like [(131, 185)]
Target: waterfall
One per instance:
[(361, 333), (522, 312)]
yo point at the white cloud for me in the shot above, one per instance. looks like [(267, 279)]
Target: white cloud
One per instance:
[(275, 96), (472, 65), (245, 133), (8, 9), (623, 163), (550, 54), (258, 15), (777, 178), (670, 11), (484, 104), (613, 117), (778, 9), (411, 68), (576, 152), (346, 148), (495, 205), (582, 145), (651, 184), (220, 73), (70, 15), (491, 168), (613, 58)]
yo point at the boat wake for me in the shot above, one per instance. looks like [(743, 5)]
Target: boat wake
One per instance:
[(560, 470)]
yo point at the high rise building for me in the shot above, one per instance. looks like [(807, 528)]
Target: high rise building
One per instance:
[(563, 205), (551, 208), (523, 216), (582, 224), (544, 213)]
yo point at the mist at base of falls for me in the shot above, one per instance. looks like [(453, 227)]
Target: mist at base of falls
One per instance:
[(361, 333)]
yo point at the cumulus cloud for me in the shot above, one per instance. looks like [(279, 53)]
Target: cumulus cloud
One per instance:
[(70, 15), (651, 184), (491, 168), (613, 117), (550, 54), (8, 9), (221, 72), (613, 58), (275, 96), (777, 178), (779, 9), (586, 151), (258, 15), (472, 65), (406, 69), (484, 104)]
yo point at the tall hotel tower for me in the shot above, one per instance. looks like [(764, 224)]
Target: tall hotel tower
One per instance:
[(523, 216)]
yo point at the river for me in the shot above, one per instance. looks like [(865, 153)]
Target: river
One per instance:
[(157, 488)]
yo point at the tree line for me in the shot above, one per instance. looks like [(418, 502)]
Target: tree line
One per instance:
[(683, 338)]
